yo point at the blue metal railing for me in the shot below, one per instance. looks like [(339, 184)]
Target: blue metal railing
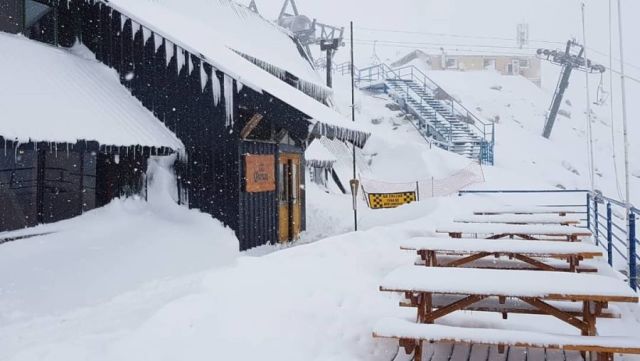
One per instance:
[(485, 129), (607, 219)]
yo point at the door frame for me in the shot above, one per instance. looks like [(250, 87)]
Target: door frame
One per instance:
[(292, 156)]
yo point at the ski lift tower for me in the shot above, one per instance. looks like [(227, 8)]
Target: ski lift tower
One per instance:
[(571, 58), (310, 32)]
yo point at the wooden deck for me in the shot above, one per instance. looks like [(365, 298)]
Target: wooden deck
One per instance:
[(466, 352)]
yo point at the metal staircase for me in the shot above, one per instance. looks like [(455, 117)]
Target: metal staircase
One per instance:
[(439, 118)]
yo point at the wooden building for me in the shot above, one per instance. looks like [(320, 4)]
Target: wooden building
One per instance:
[(71, 138), (244, 122)]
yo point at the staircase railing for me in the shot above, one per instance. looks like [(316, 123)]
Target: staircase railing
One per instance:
[(485, 129), (383, 71)]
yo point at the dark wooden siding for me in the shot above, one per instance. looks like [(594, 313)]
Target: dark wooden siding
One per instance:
[(18, 188), (48, 182), (12, 16), (258, 211)]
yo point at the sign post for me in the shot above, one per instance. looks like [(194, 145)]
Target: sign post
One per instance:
[(355, 185)]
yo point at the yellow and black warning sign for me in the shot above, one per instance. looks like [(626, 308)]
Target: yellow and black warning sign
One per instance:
[(391, 200)]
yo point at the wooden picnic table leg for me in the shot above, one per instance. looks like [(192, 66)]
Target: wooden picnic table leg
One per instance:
[(424, 256), (434, 259), (425, 306), (590, 319), (588, 316), (572, 264), (418, 351)]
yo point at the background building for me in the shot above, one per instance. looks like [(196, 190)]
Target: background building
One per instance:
[(523, 64)]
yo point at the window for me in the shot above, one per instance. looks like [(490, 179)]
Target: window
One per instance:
[(451, 63), (524, 63), (489, 64)]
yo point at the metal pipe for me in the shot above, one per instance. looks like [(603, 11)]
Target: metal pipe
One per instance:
[(609, 235), (592, 162), (625, 127), (633, 262), (353, 117)]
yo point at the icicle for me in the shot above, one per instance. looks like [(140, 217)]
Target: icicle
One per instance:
[(180, 58), (123, 20), (5, 146), (190, 63), (239, 85), (169, 50), (146, 34), (15, 152), (228, 98), (135, 27), (56, 150), (158, 40), (203, 77), (116, 158), (215, 87)]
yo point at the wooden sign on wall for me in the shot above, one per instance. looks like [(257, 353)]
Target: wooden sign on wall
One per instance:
[(260, 173)]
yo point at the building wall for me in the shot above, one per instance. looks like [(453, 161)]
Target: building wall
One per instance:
[(478, 62), (46, 183), (12, 16)]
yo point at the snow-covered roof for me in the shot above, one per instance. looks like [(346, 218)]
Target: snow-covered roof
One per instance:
[(219, 30), (317, 155), (53, 95), (225, 23)]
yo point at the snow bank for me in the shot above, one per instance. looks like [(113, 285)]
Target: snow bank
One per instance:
[(109, 251), (51, 95)]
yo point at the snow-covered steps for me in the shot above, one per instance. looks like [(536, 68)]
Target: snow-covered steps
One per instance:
[(439, 118)]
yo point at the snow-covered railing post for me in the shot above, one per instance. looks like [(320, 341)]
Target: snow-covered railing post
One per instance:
[(609, 235), (589, 211), (596, 223), (633, 264)]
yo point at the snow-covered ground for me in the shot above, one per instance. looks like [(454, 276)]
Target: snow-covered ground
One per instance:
[(152, 280), (172, 288)]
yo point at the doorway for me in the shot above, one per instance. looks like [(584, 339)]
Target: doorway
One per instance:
[(289, 200)]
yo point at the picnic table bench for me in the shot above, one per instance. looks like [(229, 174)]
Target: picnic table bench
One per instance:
[(506, 306), (411, 336), (531, 253), (562, 211), (521, 219), (529, 232), (536, 289)]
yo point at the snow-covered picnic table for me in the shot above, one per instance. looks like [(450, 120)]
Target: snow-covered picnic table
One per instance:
[(501, 230), (521, 219), (411, 336), (562, 211), (532, 253), (424, 286), (557, 286)]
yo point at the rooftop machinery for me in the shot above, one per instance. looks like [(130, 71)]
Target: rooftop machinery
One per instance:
[(310, 32)]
